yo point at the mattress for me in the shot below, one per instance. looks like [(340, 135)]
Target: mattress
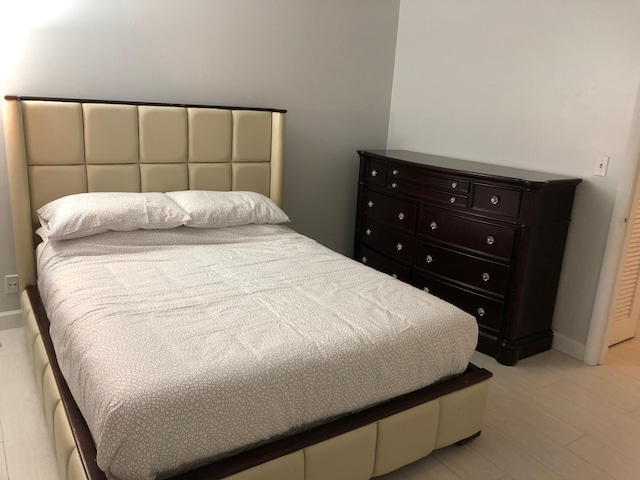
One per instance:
[(183, 346)]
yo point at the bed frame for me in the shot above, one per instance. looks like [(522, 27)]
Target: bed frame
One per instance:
[(57, 147)]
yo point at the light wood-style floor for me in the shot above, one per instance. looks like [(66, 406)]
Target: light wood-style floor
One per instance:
[(550, 417)]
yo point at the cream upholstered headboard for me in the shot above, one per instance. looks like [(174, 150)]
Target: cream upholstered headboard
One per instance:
[(57, 147)]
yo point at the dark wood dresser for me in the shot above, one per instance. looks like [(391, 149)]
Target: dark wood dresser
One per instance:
[(486, 238)]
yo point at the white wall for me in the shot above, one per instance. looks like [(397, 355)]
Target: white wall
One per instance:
[(544, 85), (329, 63)]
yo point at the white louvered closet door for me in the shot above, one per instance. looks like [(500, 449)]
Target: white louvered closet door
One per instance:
[(625, 311)]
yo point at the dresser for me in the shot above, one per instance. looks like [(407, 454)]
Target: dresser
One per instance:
[(487, 238)]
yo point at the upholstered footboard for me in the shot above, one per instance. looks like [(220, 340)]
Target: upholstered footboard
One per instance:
[(360, 446)]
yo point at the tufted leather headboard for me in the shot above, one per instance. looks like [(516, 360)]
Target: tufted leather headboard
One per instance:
[(57, 147)]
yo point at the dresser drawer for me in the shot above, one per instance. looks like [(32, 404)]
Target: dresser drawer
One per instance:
[(389, 210), (488, 312), (474, 271), (467, 232), (376, 173), (383, 264), (501, 201), (388, 240), (452, 184), (427, 193)]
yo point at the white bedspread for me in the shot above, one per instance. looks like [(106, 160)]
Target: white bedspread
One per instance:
[(184, 345)]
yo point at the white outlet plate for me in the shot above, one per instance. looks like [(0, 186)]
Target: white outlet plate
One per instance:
[(11, 284), (601, 167)]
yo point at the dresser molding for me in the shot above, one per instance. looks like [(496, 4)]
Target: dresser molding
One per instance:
[(487, 238)]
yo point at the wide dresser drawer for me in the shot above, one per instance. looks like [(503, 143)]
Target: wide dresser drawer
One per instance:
[(482, 236), (387, 240), (379, 262), (392, 211)]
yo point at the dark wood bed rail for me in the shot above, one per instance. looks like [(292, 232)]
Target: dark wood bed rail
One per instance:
[(258, 455), (124, 102)]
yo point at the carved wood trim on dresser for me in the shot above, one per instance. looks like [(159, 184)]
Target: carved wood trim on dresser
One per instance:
[(487, 238)]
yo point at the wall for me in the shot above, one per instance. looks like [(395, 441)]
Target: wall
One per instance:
[(542, 85), (329, 63)]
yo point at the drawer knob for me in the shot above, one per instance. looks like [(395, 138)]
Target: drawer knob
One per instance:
[(429, 259), (454, 185), (370, 204), (494, 200), (490, 240), (426, 289), (374, 173), (364, 259), (401, 216), (395, 172), (481, 312), (485, 277), (399, 247), (394, 275), (394, 185), (433, 225), (368, 231), (452, 199)]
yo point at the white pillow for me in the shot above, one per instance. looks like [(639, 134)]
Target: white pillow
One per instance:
[(209, 209), (85, 214)]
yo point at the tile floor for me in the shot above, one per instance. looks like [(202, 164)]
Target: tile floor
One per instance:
[(550, 417)]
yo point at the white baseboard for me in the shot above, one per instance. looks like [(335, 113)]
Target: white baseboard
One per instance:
[(11, 319), (567, 345)]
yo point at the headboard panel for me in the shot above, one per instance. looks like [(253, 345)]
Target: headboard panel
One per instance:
[(57, 147)]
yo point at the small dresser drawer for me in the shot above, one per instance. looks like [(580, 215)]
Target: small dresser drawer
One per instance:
[(387, 240), (474, 271), (392, 211), (383, 264), (501, 201), (445, 183), (488, 312), (376, 173), (477, 235), (427, 193)]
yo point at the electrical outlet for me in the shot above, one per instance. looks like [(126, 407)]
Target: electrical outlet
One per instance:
[(601, 167), (11, 284)]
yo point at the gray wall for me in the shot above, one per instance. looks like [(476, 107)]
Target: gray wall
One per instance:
[(542, 85), (329, 63)]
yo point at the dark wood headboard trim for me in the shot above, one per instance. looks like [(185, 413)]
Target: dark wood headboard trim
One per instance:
[(258, 455), (153, 104)]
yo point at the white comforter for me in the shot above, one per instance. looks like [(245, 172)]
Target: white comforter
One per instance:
[(184, 345)]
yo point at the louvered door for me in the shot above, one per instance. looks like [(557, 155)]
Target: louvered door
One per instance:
[(625, 312)]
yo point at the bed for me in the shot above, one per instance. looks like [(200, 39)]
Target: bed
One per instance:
[(61, 147)]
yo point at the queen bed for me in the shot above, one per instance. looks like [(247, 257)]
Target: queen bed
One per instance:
[(188, 332)]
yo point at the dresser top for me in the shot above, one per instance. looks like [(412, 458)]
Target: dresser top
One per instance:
[(476, 169)]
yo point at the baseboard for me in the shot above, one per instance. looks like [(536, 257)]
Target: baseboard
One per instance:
[(567, 345), (11, 319)]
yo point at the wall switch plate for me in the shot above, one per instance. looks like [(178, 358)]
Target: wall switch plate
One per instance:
[(601, 167), (11, 284)]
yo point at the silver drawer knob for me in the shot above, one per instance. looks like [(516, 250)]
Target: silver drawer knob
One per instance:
[(399, 247), (454, 185), (452, 199), (495, 200), (429, 259), (433, 225), (374, 173), (395, 172), (394, 275), (426, 289), (370, 204), (364, 259), (368, 231), (401, 216), (485, 277), (481, 312), (490, 240), (394, 185)]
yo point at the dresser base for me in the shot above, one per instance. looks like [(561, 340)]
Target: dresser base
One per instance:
[(508, 352)]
